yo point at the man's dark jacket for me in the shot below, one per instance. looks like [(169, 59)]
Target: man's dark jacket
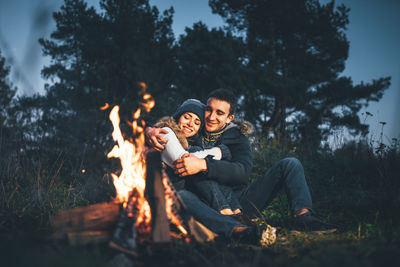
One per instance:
[(236, 171)]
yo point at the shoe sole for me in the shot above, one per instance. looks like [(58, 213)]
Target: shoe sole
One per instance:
[(114, 245)]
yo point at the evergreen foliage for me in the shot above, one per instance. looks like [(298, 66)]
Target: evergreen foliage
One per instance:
[(208, 59), (7, 93), (295, 52), (9, 144), (98, 59)]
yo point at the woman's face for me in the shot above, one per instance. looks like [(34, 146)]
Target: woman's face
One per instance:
[(189, 123)]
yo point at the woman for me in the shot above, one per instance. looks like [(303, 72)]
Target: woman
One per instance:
[(183, 128)]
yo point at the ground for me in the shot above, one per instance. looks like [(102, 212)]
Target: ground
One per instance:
[(292, 248)]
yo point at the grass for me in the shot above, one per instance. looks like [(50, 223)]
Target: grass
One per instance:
[(356, 186)]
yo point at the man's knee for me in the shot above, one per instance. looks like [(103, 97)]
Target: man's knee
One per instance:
[(291, 162)]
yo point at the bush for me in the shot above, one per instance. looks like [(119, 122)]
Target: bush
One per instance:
[(355, 186)]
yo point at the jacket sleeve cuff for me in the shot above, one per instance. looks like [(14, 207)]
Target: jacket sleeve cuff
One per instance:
[(226, 152), (208, 173)]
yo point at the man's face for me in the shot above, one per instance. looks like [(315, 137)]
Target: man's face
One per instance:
[(217, 114)]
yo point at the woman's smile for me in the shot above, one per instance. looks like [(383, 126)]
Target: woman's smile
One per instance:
[(189, 123)]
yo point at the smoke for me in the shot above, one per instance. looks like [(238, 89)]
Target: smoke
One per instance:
[(39, 27), (17, 75), (26, 61)]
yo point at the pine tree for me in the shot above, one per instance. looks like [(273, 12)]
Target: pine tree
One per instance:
[(8, 141), (7, 93), (208, 59), (296, 51), (99, 58)]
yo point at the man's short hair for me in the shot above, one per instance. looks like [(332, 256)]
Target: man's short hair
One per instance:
[(225, 95)]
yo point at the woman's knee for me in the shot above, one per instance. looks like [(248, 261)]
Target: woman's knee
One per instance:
[(186, 195)]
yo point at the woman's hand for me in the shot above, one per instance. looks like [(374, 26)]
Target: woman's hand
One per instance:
[(154, 138)]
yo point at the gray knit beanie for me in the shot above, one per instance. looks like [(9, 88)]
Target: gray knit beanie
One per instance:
[(191, 105)]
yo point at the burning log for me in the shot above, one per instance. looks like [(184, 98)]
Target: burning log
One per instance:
[(96, 223), (131, 234), (160, 192), (155, 194)]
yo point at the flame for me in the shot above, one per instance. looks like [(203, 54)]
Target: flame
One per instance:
[(130, 184), (169, 203), (143, 87), (133, 172), (106, 106), (149, 102)]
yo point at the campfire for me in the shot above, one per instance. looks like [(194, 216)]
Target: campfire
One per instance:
[(144, 196)]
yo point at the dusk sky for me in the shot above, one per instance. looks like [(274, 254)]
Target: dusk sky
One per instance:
[(373, 33)]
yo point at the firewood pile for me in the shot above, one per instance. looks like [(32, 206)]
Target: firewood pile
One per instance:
[(97, 223)]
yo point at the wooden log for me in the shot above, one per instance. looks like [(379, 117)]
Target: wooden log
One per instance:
[(199, 231), (155, 194), (102, 216)]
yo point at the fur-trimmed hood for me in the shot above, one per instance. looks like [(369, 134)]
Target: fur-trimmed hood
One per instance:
[(171, 123), (245, 127)]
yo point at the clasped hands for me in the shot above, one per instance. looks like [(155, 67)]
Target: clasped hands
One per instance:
[(188, 164)]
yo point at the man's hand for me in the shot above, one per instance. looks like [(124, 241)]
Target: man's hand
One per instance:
[(154, 138), (189, 165)]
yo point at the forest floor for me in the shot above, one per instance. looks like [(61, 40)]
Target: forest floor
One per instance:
[(291, 248)]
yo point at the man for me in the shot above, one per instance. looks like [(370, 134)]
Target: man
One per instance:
[(287, 173)]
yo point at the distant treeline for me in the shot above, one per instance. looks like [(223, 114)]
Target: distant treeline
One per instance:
[(282, 58)]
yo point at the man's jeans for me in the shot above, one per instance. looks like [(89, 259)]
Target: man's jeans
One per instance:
[(215, 195), (287, 173)]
